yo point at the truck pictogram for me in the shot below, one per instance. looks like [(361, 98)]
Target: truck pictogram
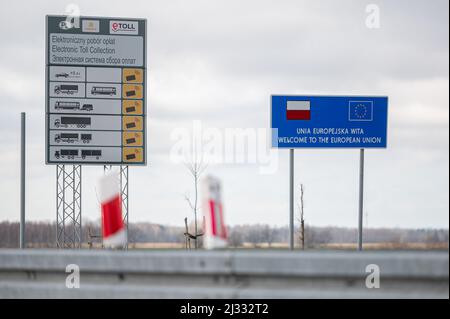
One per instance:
[(103, 90), (69, 154), (87, 107), (66, 137), (91, 153), (86, 138), (63, 105), (66, 89), (79, 122), (67, 105)]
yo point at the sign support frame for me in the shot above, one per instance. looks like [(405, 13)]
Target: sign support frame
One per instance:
[(68, 206)]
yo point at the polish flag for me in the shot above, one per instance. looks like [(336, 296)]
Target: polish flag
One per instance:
[(114, 233), (298, 110), (215, 229)]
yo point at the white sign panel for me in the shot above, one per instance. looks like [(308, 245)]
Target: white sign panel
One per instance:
[(92, 154), (113, 75), (96, 50), (85, 122), (67, 73), (67, 89), (85, 106), (85, 138)]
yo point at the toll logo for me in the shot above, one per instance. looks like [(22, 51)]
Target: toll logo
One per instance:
[(123, 27)]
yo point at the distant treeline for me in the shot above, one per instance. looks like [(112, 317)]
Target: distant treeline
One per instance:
[(43, 234)]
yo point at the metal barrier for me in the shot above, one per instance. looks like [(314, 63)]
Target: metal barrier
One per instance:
[(222, 274)]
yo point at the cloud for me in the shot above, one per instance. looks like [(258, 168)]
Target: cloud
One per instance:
[(218, 62)]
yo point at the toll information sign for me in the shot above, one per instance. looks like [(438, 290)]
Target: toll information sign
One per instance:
[(95, 91), (329, 121)]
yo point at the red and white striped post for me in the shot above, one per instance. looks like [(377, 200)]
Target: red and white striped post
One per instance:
[(215, 228), (113, 228)]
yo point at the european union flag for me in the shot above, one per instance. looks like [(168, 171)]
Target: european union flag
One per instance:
[(360, 111)]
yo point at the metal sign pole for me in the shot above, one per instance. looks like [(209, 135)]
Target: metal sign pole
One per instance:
[(22, 182), (361, 199), (291, 199)]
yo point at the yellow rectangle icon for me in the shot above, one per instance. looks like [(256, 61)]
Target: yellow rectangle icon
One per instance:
[(132, 123), (133, 76), (132, 138), (132, 107), (133, 154), (132, 91)]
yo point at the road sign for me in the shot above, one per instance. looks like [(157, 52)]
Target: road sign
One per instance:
[(215, 228), (95, 91), (113, 229), (329, 121)]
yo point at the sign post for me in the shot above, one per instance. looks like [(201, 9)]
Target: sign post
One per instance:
[(291, 199), (361, 199), (22, 181), (329, 122)]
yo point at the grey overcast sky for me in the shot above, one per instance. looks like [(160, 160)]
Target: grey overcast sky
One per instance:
[(218, 62)]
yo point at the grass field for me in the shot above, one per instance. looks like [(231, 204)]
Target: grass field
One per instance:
[(334, 246)]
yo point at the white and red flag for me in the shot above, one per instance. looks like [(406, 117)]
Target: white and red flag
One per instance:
[(298, 110), (113, 228), (215, 229)]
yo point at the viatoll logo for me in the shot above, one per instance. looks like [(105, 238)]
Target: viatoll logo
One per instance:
[(124, 27)]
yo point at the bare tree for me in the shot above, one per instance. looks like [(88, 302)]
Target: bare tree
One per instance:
[(301, 218), (236, 237), (267, 234), (196, 168), (91, 236)]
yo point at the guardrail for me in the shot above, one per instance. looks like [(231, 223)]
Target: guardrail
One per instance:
[(222, 274)]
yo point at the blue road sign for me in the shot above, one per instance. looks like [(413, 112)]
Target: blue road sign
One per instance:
[(329, 121)]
